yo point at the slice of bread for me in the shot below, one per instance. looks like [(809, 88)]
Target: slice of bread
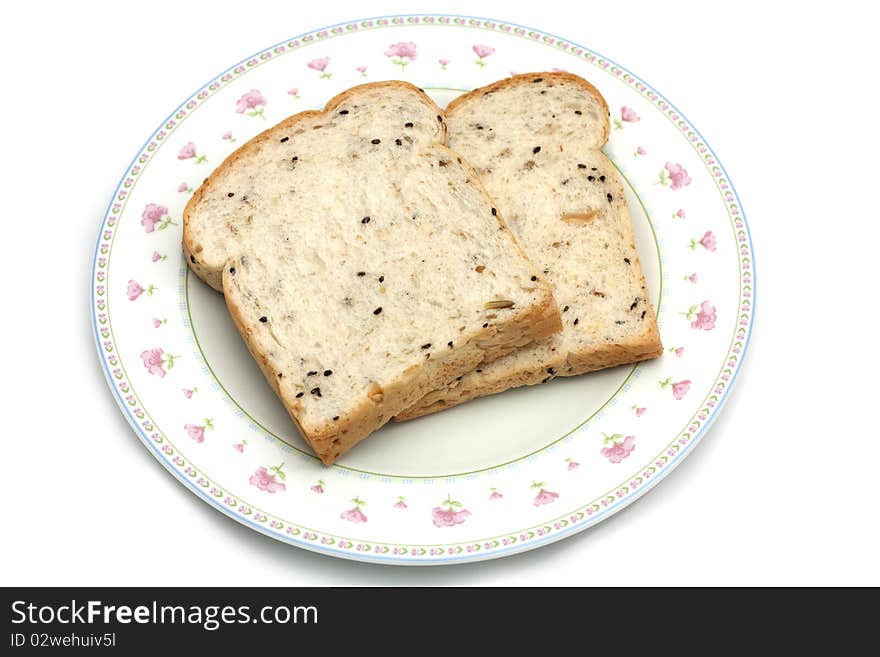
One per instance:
[(362, 261), (535, 141)]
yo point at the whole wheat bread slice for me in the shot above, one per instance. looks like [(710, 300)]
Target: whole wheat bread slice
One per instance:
[(362, 261), (535, 141)]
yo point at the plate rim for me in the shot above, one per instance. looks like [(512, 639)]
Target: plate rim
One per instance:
[(476, 22)]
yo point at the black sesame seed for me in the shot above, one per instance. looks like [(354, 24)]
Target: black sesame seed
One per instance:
[(335, 417), (365, 220), (381, 279), (192, 259), (565, 309), (230, 194), (362, 273), (536, 149), (398, 142), (582, 166), (440, 118), (294, 158), (633, 305), (479, 127), (533, 278), (626, 260), (578, 112), (485, 325), (576, 321), (299, 394), (408, 124), (376, 141), (620, 322), (328, 372), (643, 314), (426, 345), (601, 178), (378, 310), (312, 373), (449, 344), (545, 380), (343, 112), (232, 270), (315, 391), (458, 378), (494, 212), (284, 139), (609, 197), (479, 371), (592, 168), (538, 80), (591, 178), (264, 319)]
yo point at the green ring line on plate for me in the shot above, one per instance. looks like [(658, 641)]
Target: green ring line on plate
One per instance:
[(413, 553), (310, 455)]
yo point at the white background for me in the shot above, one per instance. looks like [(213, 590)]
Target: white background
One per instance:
[(783, 490)]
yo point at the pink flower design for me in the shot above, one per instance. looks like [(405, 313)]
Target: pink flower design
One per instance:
[(155, 217), (362, 70), (188, 392), (239, 447), (692, 278), (320, 64), (674, 175), (629, 115), (154, 361), (252, 102), (267, 480), (482, 51), (707, 241), (197, 432), (639, 410), (400, 503), (678, 351), (447, 517), (572, 464), (495, 494), (157, 322), (293, 92), (401, 53), (544, 496), (702, 316), (681, 214), (449, 513), (183, 187), (443, 63), (317, 487), (187, 151), (680, 389), (227, 136), (156, 257), (617, 450), (355, 515), (640, 151), (134, 290)]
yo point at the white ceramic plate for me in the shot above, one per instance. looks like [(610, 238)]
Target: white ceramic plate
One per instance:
[(492, 477)]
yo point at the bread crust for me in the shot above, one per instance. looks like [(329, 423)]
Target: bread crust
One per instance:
[(331, 439), (632, 349)]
